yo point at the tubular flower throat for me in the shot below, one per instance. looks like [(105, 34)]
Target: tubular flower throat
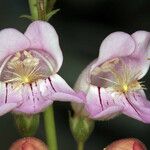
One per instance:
[(122, 80), (23, 68)]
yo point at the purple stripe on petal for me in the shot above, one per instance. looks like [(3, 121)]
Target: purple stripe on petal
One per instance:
[(6, 87), (132, 106), (10, 98), (40, 94), (50, 81), (142, 105), (100, 99)]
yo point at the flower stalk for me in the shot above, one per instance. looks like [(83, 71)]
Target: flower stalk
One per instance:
[(33, 9), (38, 9), (80, 145), (41, 9), (50, 129), (41, 6), (81, 128)]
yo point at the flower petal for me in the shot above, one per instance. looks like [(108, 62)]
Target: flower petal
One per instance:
[(8, 94), (108, 113), (12, 41), (142, 50), (142, 43), (9, 98), (129, 108), (34, 98), (135, 106), (63, 92), (84, 79), (117, 44), (7, 108), (142, 106), (40, 94), (44, 37), (100, 105)]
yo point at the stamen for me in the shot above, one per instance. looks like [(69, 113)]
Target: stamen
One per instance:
[(123, 77), (107, 66), (107, 80), (125, 88), (23, 68), (14, 73), (25, 79)]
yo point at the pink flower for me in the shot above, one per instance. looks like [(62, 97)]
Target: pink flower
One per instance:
[(126, 144), (112, 80), (28, 70), (28, 143)]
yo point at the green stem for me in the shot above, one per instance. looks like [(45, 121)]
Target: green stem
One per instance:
[(33, 9), (80, 145), (50, 128), (38, 9), (41, 5)]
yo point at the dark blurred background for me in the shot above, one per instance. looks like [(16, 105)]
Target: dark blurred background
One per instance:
[(81, 26)]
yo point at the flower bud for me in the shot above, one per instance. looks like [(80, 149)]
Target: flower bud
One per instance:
[(29, 143), (81, 127), (126, 144), (27, 125)]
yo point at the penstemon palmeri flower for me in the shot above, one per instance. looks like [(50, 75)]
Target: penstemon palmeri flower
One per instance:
[(28, 70), (111, 82), (126, 144), (28, 143)]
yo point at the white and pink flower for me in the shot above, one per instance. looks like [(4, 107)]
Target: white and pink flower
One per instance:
[(111, 82), (29, 64)]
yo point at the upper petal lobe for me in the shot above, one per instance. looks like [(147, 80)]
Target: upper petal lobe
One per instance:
[(12, 41), (44, 37)]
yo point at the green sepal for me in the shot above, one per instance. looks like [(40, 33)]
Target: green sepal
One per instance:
[(81, 127), (27, 125)]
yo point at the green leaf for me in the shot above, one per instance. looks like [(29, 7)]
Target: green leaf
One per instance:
[(53, 12), (27, 17)]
